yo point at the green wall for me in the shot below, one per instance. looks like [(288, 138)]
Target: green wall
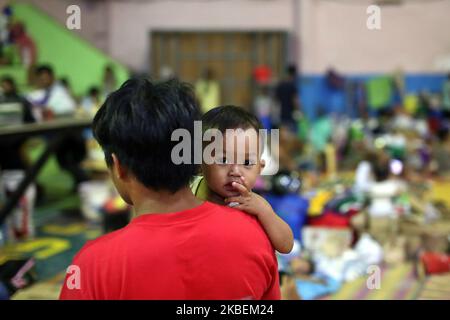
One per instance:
[(70, 55)]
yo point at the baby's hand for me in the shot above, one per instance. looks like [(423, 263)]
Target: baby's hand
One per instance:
[(248, 201)]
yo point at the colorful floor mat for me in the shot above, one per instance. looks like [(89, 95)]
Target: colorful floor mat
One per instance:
[(396, 283), (436, 287), (53, 248)]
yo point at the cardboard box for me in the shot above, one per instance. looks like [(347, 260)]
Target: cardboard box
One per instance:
[(329, 241), (383, 229)]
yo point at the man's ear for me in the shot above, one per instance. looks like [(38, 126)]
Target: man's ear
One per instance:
[(118, 169)]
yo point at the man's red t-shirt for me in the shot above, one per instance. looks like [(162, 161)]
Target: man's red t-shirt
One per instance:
[(208, 252)]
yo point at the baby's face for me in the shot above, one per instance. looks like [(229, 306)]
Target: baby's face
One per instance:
[(240, 158)]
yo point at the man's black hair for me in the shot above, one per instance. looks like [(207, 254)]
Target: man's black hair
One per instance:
[(230, 117), (136, 123), (44, 68)]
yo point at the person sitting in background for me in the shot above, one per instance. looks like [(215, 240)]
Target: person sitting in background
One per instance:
[(383, 191), (66, 84), (207, 89), (14, 109), (51, 98), (287, 95), (24, 44), (4, 33), (88, 108), (9, 95), (364, 175), (91, 103), (263, 106), (109, 81)]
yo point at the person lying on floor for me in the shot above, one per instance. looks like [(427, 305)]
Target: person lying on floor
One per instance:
[(306, 284)]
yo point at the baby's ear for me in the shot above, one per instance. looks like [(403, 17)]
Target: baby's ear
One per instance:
[(262, 164)]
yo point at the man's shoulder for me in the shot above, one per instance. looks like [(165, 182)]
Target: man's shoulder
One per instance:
[(242, 223), (232, 223), (93, 247), (230, 214)]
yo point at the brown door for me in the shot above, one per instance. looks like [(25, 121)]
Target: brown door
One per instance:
[(232, 56)]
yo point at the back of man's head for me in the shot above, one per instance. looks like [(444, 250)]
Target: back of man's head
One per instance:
[(136, 123)]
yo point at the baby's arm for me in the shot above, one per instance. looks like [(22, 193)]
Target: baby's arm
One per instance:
[(278, 231)]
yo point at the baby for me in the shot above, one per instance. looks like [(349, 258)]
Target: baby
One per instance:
[(232, 173)]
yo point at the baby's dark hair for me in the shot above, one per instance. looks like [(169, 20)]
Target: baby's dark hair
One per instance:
[(230, 117)]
